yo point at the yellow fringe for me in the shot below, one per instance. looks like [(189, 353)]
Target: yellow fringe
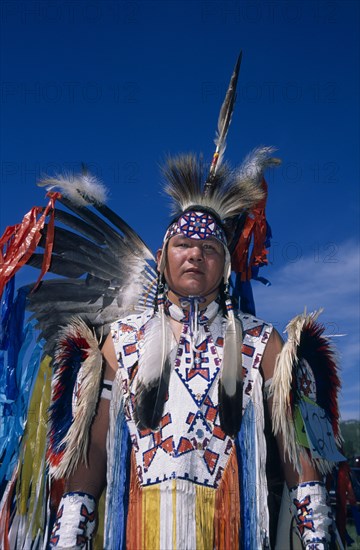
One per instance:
[(151, 517), (205, 509)]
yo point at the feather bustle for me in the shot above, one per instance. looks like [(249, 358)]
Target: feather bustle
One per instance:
[(107, 269), (77, 360), (284, 389)]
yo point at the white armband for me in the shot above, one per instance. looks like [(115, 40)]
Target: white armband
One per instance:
[(106, 388)]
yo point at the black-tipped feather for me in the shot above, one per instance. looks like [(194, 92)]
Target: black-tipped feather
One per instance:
[(149, 401), (80, 226), (230, 409), (132, 237), (105, 269)]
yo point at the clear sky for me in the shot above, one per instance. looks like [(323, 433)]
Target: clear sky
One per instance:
[(119, 84)]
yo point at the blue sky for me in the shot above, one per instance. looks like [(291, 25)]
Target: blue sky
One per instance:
[(120, 84)]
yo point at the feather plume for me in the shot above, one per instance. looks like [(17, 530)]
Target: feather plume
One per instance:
[(82, 189), (256, 162), (235, 191)]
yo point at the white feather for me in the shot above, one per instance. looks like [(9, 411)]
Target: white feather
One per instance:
[(81, 189), (256, 162), (232, 362), (153, 350)]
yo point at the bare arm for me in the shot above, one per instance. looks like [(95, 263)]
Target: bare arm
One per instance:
[(309, 473), (91, 478)]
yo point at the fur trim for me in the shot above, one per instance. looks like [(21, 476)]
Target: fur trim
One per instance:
[(75, 393)]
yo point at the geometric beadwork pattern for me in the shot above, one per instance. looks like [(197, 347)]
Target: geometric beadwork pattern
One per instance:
[(189, 443), (196, 225), (304, 514)]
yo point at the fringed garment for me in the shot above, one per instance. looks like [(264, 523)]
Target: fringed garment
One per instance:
[(188, 485)]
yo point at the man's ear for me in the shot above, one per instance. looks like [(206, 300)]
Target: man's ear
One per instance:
[(158, 257)]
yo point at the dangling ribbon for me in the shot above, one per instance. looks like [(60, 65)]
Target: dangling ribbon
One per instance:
[(257, 230), (19, 242)]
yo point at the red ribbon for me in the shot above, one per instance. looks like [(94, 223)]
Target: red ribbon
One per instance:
[(254, 230), (18, 243)]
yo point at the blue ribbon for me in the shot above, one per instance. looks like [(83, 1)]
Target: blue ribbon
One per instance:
[(245, 450), (19, 364), (118, 487)]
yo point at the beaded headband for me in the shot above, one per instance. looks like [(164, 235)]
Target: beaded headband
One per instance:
[(195, 224)]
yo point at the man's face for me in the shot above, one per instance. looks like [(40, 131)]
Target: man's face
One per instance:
[(194, 267)]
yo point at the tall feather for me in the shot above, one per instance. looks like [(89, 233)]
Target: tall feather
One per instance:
[(224, 121)]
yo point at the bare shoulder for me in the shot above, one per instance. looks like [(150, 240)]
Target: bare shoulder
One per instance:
[(108, 351), (272, 350)]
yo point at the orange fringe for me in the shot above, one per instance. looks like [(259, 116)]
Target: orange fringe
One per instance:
[(227, 507), (134, 539)]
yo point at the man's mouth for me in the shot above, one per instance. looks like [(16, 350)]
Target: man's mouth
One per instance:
[(194, 270)]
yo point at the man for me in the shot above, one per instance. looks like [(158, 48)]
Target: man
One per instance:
[(186, 473)]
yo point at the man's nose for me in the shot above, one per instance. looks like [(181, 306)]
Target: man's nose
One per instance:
[(196, 253)]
